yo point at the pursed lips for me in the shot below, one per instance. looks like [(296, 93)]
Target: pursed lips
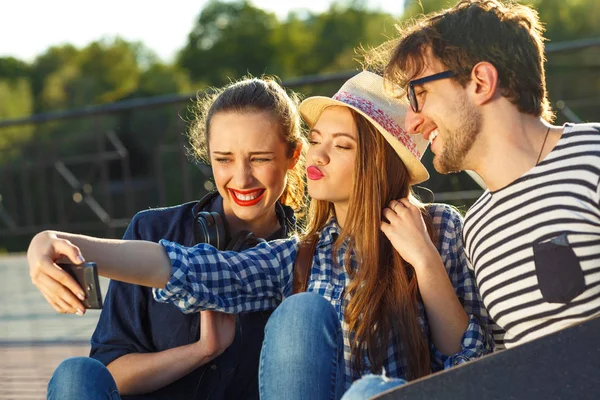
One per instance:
[(314, 173)]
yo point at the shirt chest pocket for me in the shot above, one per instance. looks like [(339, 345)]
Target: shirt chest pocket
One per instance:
[(558, 270)]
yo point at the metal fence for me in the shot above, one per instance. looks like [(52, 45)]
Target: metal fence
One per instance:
[(85, 170), (89, 170)]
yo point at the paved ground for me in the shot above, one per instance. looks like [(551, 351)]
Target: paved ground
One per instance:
[(33, 337)]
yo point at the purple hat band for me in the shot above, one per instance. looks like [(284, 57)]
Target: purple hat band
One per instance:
[(379, 116)]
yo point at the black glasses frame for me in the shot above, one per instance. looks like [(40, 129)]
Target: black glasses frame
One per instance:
[(412, 97)]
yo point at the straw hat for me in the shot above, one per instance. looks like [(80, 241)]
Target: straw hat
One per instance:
[(365, 94)]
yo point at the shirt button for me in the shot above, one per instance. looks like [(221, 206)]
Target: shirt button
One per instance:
[(213, 367)]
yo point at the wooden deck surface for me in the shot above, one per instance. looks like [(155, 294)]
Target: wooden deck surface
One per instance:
[(34, 339), (25, 370)]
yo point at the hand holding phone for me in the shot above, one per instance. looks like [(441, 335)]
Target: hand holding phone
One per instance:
[(86, 275)]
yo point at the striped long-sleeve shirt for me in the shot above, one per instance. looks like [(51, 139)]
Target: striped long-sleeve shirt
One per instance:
[(535, 244)]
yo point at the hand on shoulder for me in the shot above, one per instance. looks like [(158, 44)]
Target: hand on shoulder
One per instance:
[(407, 232)]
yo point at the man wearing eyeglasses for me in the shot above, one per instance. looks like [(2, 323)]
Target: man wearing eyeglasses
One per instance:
[(474, 77)]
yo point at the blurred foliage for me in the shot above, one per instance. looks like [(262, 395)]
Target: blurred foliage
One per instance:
[(15, 101), (228, 40), (572, 76), (232, 39)]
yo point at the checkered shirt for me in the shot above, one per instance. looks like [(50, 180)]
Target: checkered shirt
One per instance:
[(204, 278)]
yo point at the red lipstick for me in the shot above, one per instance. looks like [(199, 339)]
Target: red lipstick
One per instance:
[(255, 194), (313, 173)]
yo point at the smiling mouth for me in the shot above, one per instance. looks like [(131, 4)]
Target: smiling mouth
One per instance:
[(247, 198), (433, 135)]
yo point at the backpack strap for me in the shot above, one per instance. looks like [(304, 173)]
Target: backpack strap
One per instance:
[(303, 263)]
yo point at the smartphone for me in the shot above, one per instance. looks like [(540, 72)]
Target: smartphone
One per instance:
[(86, 275)]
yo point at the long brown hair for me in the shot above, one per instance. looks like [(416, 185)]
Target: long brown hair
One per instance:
[(383, 290)]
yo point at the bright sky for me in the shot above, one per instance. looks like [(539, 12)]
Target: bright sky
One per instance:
[(29, 27)]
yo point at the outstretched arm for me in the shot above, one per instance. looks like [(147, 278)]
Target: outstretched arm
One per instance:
[(139, 262)]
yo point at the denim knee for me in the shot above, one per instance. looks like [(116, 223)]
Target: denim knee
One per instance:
[(371, 385), (304, 304), (303, 316), (82, 378), (302, 355)]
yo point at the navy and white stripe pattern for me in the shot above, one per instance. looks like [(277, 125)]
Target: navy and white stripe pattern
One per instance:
[(535, 244), (260, 278)]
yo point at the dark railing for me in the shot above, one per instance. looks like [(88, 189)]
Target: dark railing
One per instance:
[(90, 169), (89, 182)]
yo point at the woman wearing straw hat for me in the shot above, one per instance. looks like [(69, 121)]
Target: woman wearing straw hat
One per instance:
[(388, 292)]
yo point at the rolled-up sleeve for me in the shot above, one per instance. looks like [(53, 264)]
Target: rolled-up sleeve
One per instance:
[(477, 339), (204, 278)]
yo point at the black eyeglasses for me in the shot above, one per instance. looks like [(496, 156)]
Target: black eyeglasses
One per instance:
[(412, 97)]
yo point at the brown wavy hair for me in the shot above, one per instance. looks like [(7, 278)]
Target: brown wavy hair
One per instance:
[(248, 95), (383, 291), (507, 35)]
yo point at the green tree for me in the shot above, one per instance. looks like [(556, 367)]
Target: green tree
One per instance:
[(109, 71), (295, 40), (414, 8), (46, 67), (229, 40), (568, 19), (342, 29), (16, 101), (104, 71), (327, 42), (163, 79), (564, 19), (11, 68)]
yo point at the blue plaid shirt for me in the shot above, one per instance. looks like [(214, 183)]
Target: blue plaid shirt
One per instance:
[(260, 278)]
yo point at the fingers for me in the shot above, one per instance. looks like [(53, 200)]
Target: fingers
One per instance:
[(66, 280), (59, 296), (385, 228), (60, 290), (402, 205), (59, 283), (394, 212), (400, 213), (61, 306), (389, 215), (67, 249), (50, 301)]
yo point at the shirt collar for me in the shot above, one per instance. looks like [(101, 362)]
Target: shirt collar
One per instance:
[(329, 233)]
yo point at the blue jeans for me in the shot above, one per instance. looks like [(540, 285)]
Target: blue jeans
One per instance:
[(371, 385), (82, 378), (303, 351)]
